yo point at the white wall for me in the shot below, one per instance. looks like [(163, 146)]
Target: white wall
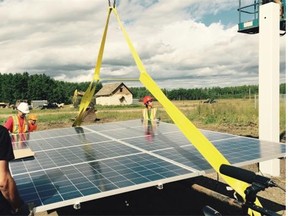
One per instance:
[(115, 100)]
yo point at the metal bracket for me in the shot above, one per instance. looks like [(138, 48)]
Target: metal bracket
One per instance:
[(160, 186), (114, 3), (77, 206)]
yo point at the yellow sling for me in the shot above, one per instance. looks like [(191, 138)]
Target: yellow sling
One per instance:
[(201, 143)]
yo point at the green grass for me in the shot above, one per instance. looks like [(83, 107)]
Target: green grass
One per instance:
[(238, 114), (132, 106), (226, 111)]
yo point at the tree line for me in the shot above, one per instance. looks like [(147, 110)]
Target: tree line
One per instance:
[(42, 87), (37, 87), (244, 91)]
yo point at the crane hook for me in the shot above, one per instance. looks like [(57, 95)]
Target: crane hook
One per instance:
[(114, 3)]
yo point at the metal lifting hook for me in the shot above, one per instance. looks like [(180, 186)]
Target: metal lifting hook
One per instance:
[(114, 3)]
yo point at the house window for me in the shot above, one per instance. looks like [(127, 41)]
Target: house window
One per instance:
[(121, 89), (122, 99)]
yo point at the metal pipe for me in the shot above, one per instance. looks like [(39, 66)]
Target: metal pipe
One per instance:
[(218, 196)]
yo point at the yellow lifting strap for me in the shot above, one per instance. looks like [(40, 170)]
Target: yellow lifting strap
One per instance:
[(87, 97), (201, 143)]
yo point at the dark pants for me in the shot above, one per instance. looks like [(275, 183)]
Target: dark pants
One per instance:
[(5, 208)]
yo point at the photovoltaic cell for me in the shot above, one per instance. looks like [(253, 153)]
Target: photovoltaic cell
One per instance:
[(80, 164)]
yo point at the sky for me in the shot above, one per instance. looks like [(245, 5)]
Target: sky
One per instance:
[(182, 44)]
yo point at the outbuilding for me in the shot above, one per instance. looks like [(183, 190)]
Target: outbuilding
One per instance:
[(114, 94)]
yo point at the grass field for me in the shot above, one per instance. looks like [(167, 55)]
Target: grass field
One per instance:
[(236, 116)]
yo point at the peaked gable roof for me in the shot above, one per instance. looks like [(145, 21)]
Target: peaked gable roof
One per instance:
[(110, 89)]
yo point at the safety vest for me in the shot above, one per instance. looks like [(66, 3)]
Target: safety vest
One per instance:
[(17, 128), (152, 116)]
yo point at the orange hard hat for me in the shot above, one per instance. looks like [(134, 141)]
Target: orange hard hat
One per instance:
[(146, 99), (32, 117)]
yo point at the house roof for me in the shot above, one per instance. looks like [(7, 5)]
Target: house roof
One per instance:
[(110, 89)]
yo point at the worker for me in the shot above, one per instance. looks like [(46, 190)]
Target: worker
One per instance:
[(149, 113), (281, 7), (32, 122), (10, 201), (149, 118), (277, 2), (18, 123)]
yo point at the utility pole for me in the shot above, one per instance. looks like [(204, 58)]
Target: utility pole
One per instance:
[(269, 76)]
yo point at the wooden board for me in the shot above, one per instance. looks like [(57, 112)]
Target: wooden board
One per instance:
[(23, 153)]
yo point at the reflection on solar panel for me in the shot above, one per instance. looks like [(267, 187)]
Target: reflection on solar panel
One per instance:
[(20, 147), (75, 165)]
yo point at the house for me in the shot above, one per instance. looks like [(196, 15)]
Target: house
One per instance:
[(114, 94)]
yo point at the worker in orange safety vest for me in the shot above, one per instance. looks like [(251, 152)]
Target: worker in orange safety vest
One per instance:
[(18, 123), (18, 126)]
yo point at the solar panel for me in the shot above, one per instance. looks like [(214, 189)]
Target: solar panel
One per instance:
[(74, 165)]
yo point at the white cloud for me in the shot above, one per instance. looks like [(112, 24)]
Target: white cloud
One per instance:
[(62, 39)]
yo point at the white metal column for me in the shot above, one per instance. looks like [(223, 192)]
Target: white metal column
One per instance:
[(269, 77)]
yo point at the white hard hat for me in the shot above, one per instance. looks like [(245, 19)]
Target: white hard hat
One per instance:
[(23, 107)]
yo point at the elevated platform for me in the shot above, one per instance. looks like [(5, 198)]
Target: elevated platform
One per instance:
[(252, 27), (249, 16)]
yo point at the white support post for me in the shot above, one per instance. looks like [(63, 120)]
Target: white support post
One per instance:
[(269, 76)]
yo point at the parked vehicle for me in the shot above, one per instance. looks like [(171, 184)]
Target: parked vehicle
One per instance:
[(52, 106)]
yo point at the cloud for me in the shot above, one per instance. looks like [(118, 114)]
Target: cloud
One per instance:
[(188, 43)]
